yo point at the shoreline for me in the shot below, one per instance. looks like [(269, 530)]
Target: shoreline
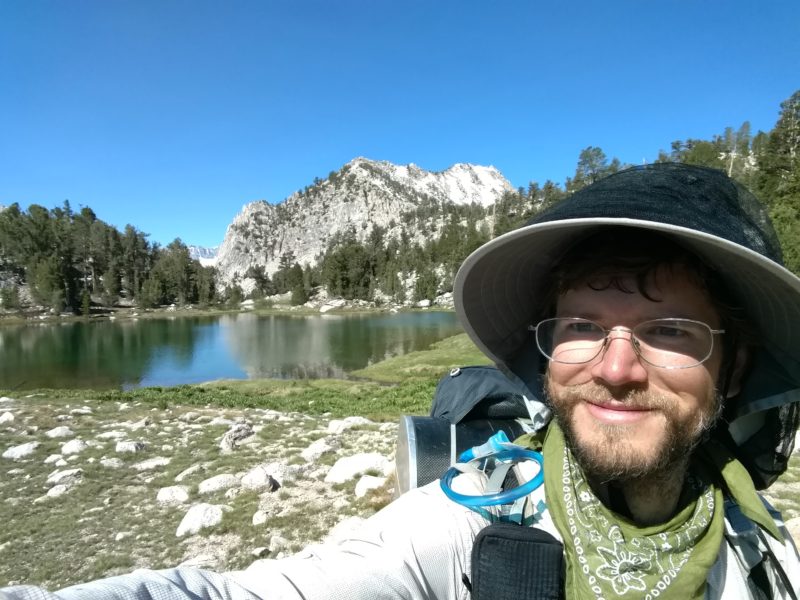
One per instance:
[(36, 317)]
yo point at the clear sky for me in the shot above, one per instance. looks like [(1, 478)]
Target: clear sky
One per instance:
[(171, 115)]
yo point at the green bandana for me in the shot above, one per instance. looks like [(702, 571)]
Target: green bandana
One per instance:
[(608, 556)]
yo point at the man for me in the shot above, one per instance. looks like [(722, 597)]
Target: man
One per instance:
[(651, 314)]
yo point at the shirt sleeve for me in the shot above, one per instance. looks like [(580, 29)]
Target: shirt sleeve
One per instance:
[(418, 547), (170, 584)]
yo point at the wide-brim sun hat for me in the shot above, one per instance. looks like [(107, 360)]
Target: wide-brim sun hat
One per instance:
[(499, 286)]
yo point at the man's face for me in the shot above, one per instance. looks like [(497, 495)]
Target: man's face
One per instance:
[(622, 417)]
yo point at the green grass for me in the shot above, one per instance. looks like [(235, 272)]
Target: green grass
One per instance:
[(456, 351)]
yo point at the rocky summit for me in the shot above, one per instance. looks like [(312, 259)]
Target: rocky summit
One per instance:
[(362, 195)]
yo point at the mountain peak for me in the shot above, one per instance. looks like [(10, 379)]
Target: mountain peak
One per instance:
[(362, 195)]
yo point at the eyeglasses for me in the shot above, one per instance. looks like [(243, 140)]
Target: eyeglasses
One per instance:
[(663, 343)]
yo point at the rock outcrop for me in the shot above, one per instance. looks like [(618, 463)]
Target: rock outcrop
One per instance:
[(363, 195)]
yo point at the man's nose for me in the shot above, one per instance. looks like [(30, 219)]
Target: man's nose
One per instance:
[(619, 363)]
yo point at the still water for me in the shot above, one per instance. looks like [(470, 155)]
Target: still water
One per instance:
[(148, 352)]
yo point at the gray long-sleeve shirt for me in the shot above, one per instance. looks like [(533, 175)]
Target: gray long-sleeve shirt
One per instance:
[(418, 547)]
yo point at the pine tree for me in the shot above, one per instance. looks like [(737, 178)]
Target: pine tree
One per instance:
[(778, 180)]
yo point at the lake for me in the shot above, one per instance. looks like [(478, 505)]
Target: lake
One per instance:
[(172, 351)]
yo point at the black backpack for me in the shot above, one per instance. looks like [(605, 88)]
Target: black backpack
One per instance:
[(470, 405)]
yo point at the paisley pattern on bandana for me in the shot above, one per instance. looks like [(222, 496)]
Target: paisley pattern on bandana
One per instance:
[(610, 557)]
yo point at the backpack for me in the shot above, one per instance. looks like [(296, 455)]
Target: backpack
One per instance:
[(470, 405)]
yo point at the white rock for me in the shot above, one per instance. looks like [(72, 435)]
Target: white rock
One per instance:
[(67, 477), (221, 421), (73, 446), (237, 434), (53, 458), (151, 463), (338, 426), (112, 463), (129, 446), (122, 535), (259, 517), (259, 478), (187, 472), (6, 417), (175, 494), (283, 473), (57, 490), (316, 450), (445, 299), (368, 483), (59, 432), (81, 411), (277, 543), (200, 516), (217, 483), (20, 451), (332, 304), (350, 467), (139, 424), (6, 400)]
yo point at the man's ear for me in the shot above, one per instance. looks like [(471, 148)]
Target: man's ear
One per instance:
[(738, 370)]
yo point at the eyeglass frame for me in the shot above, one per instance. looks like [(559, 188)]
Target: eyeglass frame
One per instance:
[(632, 339)]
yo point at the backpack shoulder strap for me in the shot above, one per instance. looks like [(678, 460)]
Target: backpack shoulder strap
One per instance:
[(750, 544)]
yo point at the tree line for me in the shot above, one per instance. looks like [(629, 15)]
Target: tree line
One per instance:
[(68, 258)]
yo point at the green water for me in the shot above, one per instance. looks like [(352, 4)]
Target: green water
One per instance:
[(131, 353)]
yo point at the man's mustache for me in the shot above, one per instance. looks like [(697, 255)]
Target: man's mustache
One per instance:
[(635, 399)]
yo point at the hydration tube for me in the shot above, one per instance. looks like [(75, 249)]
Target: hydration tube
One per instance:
[(500, 449)]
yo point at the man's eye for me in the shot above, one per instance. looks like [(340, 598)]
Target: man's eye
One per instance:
[(664, 331), (583, 327)]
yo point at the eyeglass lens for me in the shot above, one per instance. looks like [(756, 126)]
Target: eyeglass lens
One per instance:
[(667, 343)]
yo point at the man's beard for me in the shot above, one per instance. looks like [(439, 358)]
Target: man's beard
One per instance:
[(609, 456)]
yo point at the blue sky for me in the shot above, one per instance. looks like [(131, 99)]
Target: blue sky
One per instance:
[(172, 114)]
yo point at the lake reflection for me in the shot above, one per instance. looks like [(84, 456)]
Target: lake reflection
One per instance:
[(191, 350)]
